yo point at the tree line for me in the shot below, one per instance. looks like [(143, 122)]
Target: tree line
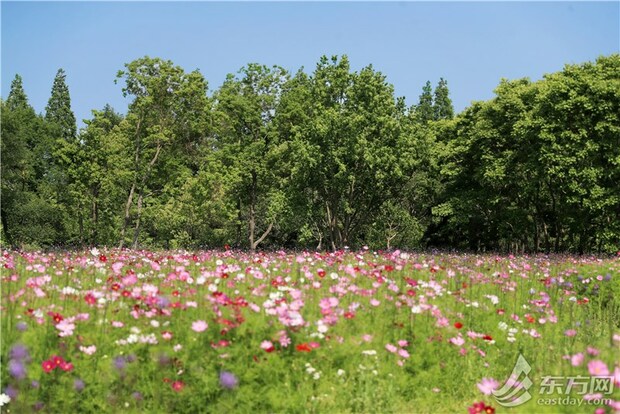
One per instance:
[(325, 160)]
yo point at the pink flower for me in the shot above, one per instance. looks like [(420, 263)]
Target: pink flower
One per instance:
[(458, 341), (403, 353), (487, 386), (593, 351), (267, 346), (598, 368), (391, 348), (576, 359), (617, 376), (374, 302), (65, 327), (403, 343), (199, 326), (366, 338), (570, 332)]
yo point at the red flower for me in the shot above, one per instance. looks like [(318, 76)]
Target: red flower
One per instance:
[(57, 317), (487, 338), (321, 273), (90, 299), (303, 347), (349, 315), (66, 366), (102, 258), (481, 407), (458, 325), (178, 386), (48, 365), (57, 360)]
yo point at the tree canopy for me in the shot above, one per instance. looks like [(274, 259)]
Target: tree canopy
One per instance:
[(324, 160)]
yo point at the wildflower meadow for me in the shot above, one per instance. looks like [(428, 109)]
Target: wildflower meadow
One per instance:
[(303, 332)]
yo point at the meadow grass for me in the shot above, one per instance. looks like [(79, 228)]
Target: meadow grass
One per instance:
[(344, 332)]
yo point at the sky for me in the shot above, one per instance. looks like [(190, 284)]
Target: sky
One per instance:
[(473, 45)]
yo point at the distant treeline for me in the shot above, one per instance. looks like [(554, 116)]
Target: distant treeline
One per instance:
[(323, 160)]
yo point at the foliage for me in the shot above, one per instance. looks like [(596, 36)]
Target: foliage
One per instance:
[(318, 160)]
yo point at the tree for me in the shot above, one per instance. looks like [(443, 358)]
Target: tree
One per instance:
[(348, 150), (17, 97), (424, 110), (247, 140), (168, 108), (58, 110), (442, 105)]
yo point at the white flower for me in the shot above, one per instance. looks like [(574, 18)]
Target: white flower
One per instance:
[(68, 290), (4, 399), (416, 309), (340, 372), (494, 299), (94, 251), (369, 352), (212, 288), (503, 326), (218, 262)]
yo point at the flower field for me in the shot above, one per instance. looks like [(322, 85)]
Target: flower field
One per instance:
[(359, 332)]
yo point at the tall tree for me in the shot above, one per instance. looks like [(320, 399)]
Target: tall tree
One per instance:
[(248, 107), (17, 97), (58, 110), (424, 110), (168, 104), (348, 151), (442, 105)]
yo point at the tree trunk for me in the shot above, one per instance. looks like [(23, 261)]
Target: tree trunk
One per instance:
[(126, 218), (262, 237), (136, 232), (5, 226), (252, 217)]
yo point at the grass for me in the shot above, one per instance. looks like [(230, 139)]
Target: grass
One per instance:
[(137, 308)]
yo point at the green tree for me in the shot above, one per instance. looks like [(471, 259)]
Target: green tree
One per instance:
[(168, 107), (424, 111), (442, 104), (247, 140), (58, 110), (17, 97), (349, 148)]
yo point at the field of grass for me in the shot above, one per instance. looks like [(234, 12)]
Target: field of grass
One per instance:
[(301, 332)]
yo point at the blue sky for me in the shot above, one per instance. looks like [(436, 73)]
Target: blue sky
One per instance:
[(471, 44)]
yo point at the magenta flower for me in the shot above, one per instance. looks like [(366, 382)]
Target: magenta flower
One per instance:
[(487, 386), (199, 326)]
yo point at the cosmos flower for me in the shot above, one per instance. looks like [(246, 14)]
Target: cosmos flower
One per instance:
[(17, 369), (267, 346), (487, 386), (199, 326), (598, 368), (228, 380)]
